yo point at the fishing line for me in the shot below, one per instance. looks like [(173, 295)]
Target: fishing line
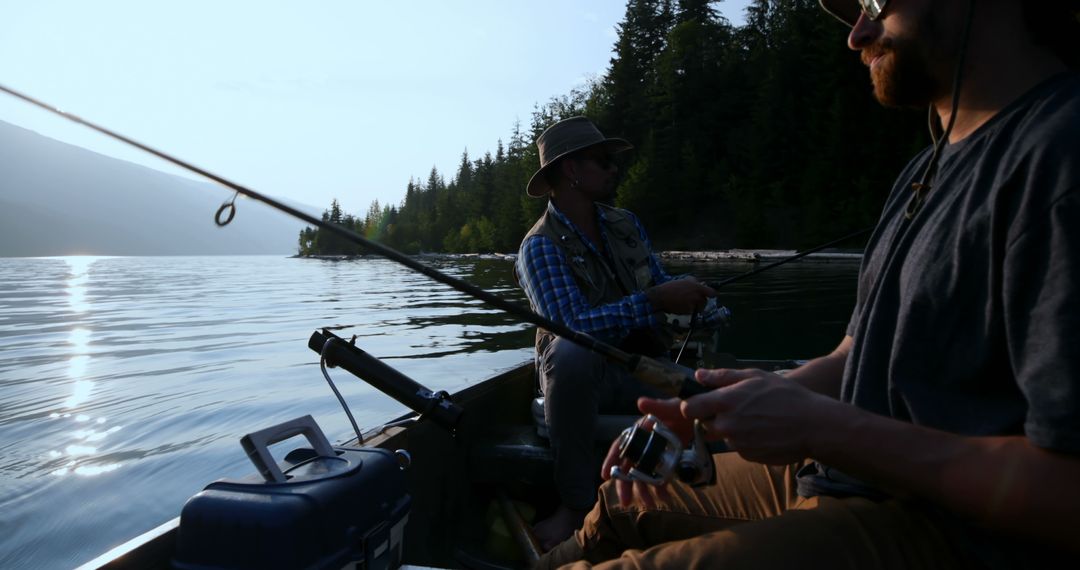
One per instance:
[(647, 369), (799, 255), (689, 333)]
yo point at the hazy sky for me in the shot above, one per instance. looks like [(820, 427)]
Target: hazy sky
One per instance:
[(302, 100)]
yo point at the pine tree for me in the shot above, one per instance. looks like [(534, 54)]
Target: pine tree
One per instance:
[(761, 135)]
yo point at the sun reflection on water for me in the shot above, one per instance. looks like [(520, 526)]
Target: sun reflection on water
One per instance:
[(79, 337), (79, 268), (87, 437)]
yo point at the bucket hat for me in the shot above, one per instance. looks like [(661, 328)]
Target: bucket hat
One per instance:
[(563, 138)]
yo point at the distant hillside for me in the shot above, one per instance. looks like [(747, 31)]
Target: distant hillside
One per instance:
[(59, 199)]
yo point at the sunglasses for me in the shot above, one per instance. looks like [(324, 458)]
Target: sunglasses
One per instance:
[(873, 8), (602, 159)]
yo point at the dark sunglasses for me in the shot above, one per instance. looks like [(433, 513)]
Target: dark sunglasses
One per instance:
[(873, 8), (602, 159)]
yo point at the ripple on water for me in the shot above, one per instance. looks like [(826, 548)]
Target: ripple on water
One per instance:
[(126, 382)]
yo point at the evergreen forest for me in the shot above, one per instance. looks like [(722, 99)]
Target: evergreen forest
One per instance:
[(764, 135)]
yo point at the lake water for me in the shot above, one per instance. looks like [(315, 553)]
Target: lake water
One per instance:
[(126, 382)]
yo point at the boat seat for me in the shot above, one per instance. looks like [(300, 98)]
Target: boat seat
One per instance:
[(608, 427)]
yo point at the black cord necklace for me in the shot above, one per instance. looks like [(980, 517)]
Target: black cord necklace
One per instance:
[(921, 188)]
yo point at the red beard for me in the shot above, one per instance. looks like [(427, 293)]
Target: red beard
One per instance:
[(902, 75)]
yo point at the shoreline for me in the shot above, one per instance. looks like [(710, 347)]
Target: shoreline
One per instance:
[(702, 256), (754, 255)]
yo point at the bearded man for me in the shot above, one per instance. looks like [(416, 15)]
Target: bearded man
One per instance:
[(944, 430)]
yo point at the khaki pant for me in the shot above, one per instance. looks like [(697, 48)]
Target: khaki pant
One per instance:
[(753, 518)]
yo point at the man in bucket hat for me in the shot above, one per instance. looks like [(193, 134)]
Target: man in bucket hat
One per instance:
[(944, 430), (590, 267)]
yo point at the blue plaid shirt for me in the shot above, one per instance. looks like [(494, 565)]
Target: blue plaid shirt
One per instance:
[(549, 284)]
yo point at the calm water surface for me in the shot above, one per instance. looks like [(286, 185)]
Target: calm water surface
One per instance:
[(126, 382)]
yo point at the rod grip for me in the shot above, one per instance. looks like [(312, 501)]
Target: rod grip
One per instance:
[(670, 378), (435, 406)]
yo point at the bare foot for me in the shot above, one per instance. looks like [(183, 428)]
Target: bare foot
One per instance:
[(558, 527)]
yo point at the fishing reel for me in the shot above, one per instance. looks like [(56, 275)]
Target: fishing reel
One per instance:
[(657, 455), (711, 317), (715, 315)]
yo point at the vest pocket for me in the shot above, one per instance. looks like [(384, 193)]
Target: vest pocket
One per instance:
[(643, 274)]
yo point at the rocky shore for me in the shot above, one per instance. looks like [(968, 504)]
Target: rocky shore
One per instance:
[(751, 255)]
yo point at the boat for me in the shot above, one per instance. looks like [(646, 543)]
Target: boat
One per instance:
[(479, 470)]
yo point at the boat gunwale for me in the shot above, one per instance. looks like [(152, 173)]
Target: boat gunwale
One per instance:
[(154, 548)]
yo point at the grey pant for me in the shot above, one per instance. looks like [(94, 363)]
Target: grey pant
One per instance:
[(579, 385)]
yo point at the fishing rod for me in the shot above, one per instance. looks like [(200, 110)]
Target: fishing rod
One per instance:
[(800, 255), (718, 284), (668, 376)]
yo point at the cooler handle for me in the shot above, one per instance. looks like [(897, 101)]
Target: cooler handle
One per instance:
[(257, 444)]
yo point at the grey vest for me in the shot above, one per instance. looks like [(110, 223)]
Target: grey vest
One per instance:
[(606, 279)]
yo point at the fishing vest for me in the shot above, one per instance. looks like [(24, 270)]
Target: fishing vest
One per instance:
[(606, 279)]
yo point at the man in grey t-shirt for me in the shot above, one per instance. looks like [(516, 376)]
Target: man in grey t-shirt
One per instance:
[(944, 430)]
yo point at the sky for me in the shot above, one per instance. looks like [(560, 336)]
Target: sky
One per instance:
[(307, 101)]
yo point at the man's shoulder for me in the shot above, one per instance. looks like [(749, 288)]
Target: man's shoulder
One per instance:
[(1051, 112), (613, 214), (1045, 137), (614, 210), (537, 227), (532, 242), (1064, 86), (1034, 136)]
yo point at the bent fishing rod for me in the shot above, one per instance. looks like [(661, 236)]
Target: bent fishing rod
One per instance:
[(668, 376)]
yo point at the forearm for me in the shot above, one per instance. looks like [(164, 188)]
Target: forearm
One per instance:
[(1003, 483), (611, 321), (824, 374)]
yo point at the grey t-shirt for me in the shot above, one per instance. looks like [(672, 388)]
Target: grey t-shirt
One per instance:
[(967, 317)]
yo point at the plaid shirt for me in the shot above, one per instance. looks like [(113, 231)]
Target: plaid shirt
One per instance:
[(545, 275)]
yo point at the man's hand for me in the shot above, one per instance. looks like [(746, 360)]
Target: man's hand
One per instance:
[(763, 416), (680, 296), (670, 413)]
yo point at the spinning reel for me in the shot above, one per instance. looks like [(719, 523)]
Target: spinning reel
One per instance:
[(657, 455)]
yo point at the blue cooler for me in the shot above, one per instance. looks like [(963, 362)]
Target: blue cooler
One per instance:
[(328, 508)]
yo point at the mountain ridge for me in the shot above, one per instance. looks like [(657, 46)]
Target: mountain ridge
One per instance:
[(61, 199)]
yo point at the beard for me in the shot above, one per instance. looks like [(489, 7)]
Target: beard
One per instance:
[(911, 68), (902, 76)]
